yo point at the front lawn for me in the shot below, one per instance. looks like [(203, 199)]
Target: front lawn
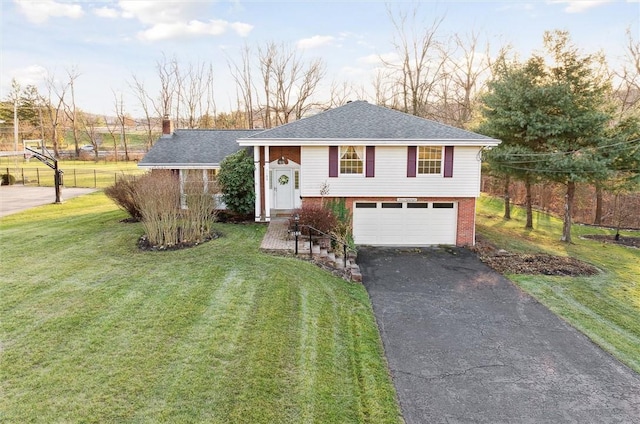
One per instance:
[(94, 330), (606, 306)]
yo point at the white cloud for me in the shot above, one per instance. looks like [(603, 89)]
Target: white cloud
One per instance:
[(28, 75), (106, 12), (40, 11), (241, 28), (579, 6), (163, 31), (315, 41), (166, 20)]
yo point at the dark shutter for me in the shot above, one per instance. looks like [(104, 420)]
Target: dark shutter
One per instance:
[(333, 161), (411, 161), (371, 161), (448, 161)]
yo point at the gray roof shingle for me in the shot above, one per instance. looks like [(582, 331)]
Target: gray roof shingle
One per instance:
[(362, 120), (199, 147)]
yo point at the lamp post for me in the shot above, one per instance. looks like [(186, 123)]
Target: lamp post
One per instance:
[(296, 229)]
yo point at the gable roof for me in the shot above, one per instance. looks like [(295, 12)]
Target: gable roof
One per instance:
[(360, 120), (197, 148)]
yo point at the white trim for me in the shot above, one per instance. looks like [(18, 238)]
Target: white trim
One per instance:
[(256, 183), (366, 142), (267, 195), (180, 166)]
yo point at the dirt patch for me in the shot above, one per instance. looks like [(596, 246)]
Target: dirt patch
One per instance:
[(624, 241), (144, 244), (519, 263)]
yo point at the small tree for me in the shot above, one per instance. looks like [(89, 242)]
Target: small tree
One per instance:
[(236, 182)]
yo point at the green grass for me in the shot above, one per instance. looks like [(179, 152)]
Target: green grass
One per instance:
[(606, 307), (94, 330), (77, 173)]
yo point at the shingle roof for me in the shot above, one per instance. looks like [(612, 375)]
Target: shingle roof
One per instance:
[(187, 147), (362, 120)]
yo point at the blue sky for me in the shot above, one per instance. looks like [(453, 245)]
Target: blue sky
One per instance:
[(109, 41)]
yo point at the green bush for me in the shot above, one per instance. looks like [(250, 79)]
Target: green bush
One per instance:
[(8, 179), (236, 182)]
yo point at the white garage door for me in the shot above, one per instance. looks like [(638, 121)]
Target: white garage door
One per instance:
[(404, 224)]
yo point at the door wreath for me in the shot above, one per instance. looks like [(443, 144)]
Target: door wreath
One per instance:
[(283, 180)]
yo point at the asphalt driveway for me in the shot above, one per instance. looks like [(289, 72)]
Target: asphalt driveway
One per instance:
[(466, 345), (17, 198)]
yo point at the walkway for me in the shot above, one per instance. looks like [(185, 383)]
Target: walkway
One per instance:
[(278, 240)]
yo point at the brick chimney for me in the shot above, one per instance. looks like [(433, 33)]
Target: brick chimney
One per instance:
[(167, 125)]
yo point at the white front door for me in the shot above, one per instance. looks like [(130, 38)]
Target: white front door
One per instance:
[(283, 186)]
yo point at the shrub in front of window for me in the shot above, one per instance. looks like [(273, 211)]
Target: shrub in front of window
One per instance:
[(236, 182)]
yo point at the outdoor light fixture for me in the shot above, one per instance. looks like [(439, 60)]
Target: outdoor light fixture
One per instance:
[(296, 229), (282, 160)]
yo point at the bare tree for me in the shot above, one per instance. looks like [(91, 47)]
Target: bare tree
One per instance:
[(168, 82), (89, 124), (242, 76), (112, 128), (143, 98), (70, 109), (465, 72), (421, 58), (56, 93), (122, 121), (266, 57), (289, 83)]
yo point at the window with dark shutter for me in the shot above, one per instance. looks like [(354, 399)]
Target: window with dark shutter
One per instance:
[(448, 161), (411, 161), (333, 161), (371, 161)]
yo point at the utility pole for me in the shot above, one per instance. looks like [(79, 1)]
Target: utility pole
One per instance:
[(15, 125)]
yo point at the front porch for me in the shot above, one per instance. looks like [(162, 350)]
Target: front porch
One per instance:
[(277, 181)]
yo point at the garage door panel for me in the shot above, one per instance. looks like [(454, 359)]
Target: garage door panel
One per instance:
[(405, 224)]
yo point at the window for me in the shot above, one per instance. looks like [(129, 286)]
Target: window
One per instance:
[(296, 178), (361, 205), (351, 159), (429, 159), (417, 205), (443, 206), (392, 205)]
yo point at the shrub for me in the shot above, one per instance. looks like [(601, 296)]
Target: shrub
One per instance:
[(342, 231), (318, 217), (123, 194), (8, 179), (158, 196), (165, 222), (236, 182), (200, 211)]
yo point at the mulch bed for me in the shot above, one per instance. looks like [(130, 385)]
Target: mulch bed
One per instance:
[(144, 244), (624, 241), (541, 264)]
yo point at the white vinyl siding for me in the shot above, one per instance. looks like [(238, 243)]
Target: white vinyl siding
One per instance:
[(390, 178)]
